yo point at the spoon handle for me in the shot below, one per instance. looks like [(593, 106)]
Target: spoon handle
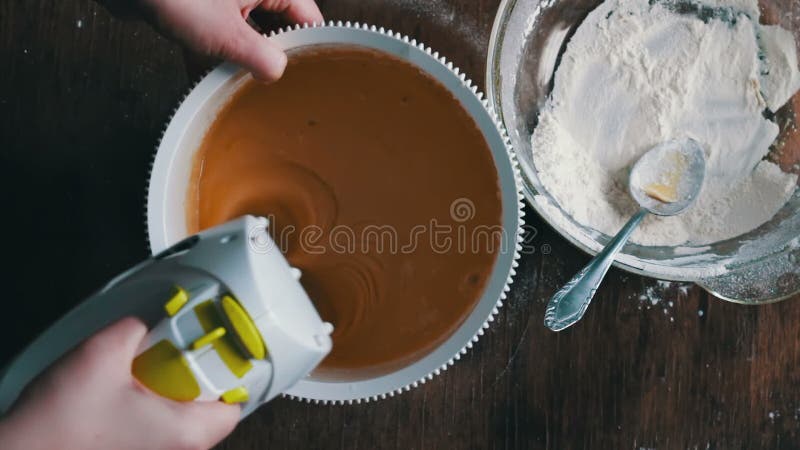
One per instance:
[(569, 304)]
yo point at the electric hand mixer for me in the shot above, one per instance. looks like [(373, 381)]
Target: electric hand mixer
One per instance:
[(228, 321)]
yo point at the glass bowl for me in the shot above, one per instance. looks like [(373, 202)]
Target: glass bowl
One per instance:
[(758, 267)]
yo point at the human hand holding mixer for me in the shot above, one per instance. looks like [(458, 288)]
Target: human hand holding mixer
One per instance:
[(89, 400), (229, 324)]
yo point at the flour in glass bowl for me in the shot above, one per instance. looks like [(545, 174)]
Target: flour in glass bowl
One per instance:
[(636, 74)]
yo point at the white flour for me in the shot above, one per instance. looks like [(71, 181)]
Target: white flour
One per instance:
[(635, 75)]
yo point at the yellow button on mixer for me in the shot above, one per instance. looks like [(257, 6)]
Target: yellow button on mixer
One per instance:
[(235, 395), (244, 328), (209, 337), (164, 370), (234, 358), (177, 301)]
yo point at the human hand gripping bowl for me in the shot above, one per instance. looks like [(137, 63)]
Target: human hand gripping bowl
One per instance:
[(665, 181)]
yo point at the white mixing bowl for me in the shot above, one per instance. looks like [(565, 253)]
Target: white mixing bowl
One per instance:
[(172, 167)]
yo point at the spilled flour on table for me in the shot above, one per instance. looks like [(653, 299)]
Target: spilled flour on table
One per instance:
[(663, 297)]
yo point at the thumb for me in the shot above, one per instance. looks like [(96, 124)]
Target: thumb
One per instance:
[(209, 421), (254, 52), (119, 340)]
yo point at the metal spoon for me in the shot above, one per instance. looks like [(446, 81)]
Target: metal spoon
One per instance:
[(665, 181)]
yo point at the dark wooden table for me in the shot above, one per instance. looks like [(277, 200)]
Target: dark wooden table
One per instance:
[(83, 100)]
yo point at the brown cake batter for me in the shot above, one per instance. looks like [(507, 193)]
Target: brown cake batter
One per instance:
[(361, 162)]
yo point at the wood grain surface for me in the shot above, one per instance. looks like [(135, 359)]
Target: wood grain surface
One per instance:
[(83, 100)]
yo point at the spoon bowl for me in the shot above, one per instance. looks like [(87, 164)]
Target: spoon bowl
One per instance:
[(678, 165)]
